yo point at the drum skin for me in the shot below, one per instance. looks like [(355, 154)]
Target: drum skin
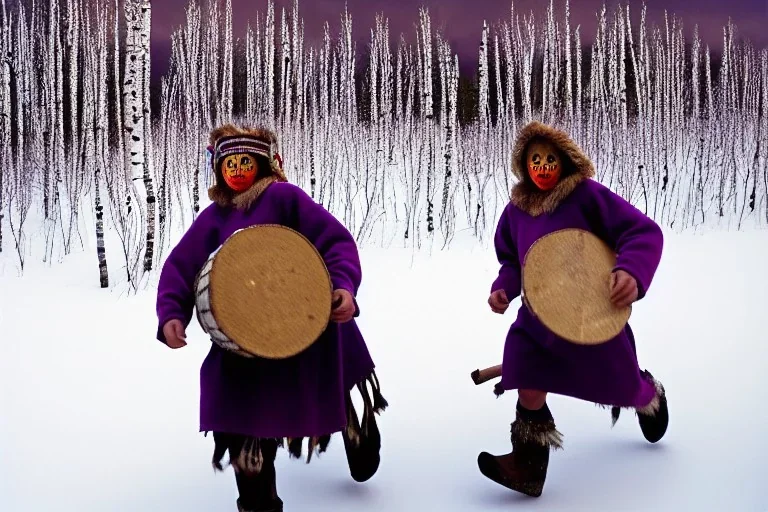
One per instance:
[(268, 291), (566, 279)]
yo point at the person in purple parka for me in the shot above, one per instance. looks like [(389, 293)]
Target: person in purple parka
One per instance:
[(556, 191), (253, 406)]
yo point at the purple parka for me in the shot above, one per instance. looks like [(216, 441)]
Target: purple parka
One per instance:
[(302, 396), (534, 357)]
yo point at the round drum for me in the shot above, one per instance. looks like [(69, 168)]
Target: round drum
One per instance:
[(566, 283), (264, 292)]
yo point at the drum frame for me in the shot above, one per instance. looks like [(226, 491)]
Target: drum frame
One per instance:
[(206, 311), (621, 317)]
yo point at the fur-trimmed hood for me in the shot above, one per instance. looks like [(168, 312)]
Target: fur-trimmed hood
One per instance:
[(577, 167), (269, 171)]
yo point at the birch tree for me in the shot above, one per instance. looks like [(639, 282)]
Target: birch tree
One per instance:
[(137, 17), (394, 140), (101, 138), (5, 108)]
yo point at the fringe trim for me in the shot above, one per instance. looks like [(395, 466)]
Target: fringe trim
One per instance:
[(543, 434), (317, 444), (251, 457), (371, 405), (648, 410)]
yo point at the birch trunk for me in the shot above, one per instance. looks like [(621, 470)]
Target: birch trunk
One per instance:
[(134, 133), (5, 110), (146, 127)]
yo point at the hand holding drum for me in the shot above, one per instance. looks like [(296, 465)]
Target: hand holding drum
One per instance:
[(343, 311), (343, 306), (569, 284), (266, 292), (623, 289)]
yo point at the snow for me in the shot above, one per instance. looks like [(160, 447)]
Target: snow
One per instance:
[(97, 415)]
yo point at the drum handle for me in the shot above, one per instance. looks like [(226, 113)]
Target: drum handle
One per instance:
[(481, 376)]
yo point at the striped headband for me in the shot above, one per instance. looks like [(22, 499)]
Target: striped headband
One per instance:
[(235, 144)]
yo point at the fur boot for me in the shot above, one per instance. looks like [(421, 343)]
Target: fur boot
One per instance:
[(254, 463), (362, 443), (277, 506), (524, 469), (258, 491), (654, 417)]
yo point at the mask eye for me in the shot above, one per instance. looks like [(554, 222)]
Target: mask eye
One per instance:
[(550, 159), (536, 159), (230, 164), (245, 161)]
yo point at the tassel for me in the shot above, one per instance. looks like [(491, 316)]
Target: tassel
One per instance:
[(250, 458), (367, 406), (220, 448), (295, 445), (324, 442), (353, 424), (615, 412), (311, 445), (379, 402), (498, 390)]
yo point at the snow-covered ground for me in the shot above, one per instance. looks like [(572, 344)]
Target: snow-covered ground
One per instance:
[(95, 415)]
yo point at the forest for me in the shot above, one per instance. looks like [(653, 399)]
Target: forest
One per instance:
[(382, 129)]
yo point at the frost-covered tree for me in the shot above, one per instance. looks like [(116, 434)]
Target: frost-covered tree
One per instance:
[(5, 107), (393, 139), (140, 198)]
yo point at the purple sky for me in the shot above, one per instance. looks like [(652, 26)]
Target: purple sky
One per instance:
[(461, 20)]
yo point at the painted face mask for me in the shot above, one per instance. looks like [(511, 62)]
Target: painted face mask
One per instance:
[(544, 165), (239, 171)]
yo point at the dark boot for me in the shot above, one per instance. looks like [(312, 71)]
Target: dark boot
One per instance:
[(362, 443), (258, 491), (524, 469), (276, 506), (654, 418), (253, 461)]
